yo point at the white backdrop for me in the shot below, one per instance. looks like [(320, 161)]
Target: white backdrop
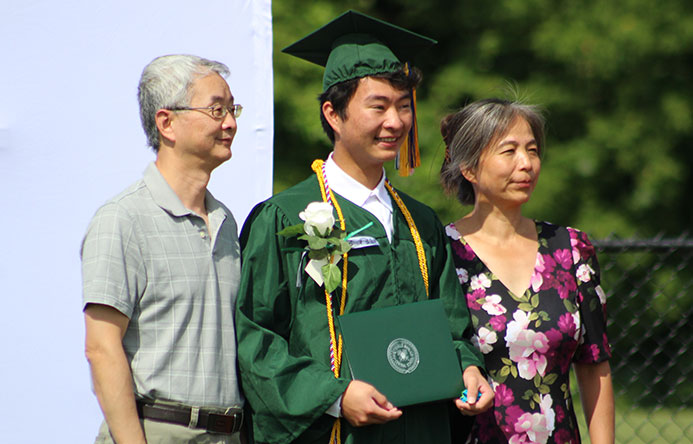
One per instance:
[(70, 138)]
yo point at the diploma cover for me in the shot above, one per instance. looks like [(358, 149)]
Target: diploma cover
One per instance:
[(405, 351)]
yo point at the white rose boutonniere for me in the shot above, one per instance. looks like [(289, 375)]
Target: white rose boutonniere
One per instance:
[(318, 219), (326, 243)]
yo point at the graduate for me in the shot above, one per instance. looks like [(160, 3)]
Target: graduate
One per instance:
[(289, 348)]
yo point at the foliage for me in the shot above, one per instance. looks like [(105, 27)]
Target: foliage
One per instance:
[(613, 78), (616, 82)]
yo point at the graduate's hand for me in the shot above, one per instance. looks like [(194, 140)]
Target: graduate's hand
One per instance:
[(362, 404), (475, 383)]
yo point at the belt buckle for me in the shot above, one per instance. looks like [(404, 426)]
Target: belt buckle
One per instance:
[(222, 423)]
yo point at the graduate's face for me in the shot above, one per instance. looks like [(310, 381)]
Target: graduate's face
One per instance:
[(378, 119)]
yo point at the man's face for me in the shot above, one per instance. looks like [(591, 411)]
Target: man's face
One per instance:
[(200, 137), (378, 119)]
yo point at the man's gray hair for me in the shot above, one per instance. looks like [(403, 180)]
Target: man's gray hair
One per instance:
[(166, 83), (470, 130)]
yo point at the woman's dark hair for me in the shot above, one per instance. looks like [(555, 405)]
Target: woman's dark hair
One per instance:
[(470, 130)]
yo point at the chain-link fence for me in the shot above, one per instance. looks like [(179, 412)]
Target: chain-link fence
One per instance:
[(649, 286)]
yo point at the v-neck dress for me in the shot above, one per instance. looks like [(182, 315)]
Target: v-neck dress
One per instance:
[(529, 341)]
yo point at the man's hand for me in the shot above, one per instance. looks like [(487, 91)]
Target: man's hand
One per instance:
[(475, 383), (362, 405)]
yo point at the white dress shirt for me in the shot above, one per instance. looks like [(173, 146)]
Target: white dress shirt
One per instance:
[(376, 201)]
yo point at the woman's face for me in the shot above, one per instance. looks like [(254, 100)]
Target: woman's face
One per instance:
[(509, 167)]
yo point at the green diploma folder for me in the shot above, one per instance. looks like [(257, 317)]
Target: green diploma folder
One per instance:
[(405, 351)]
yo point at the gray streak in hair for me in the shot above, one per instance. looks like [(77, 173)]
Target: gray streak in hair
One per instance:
[(166, 83), (470, 130)]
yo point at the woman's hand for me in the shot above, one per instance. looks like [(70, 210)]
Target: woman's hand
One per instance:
[(475, 384)]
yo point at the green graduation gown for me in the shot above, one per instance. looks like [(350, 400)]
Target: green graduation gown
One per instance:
[(281, 321)]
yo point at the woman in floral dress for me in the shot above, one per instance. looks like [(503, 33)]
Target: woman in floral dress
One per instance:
[(532, 287)]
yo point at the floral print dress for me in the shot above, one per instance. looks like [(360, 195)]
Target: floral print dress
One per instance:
[(529, 341)]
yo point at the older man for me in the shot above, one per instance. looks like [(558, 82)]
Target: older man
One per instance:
[(161, 268)]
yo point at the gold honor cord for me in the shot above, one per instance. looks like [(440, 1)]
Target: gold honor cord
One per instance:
[(420, 253), (336, 344)]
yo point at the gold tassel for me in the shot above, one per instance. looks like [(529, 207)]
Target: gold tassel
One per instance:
[(409, 156)]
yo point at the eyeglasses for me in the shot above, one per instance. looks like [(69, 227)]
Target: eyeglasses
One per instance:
[(216, 111)]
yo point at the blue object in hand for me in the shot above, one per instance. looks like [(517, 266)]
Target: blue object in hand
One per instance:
[(463, 398)]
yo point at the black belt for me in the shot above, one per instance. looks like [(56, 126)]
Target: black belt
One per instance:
[(212, 421)]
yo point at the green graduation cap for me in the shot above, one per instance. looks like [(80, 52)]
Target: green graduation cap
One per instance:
[(355, 45)]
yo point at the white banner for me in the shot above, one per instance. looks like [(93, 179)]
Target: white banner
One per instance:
[(70, 138)]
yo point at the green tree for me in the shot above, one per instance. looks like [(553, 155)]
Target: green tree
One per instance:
[(614, 79), (616, 82)]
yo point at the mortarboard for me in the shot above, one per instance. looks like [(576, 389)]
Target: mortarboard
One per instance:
[(355, 45)]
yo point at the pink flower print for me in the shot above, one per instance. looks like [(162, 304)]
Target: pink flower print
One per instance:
[(549, 282), (545, 406), (555, 337), (594, 351), (512, 415), (563, 436), (600, 292), (605, 345), (474, 298), (539, 264), (452, 232), (563, 355), (549, 264), (536, 281), (578, 325), (460, 248), (581, 246), (484, 340), (561, 351), (560, 413), (530, 428), (493, 306), (529, 367), (584, 273), (519, 323), (529, 351), (573, 245), (504, 396), (579, 297), (463, 251), (567, 324), (566, 283), (564, 258), (487, 425), (468, 253), (462, 275), (498, 323), (480, 281)]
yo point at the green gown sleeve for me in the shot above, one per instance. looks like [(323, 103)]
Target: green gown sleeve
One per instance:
[(444, 284), (455, 303), (287, 387)]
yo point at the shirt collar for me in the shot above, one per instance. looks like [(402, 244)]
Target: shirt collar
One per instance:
[(349, 188), (167, 199)]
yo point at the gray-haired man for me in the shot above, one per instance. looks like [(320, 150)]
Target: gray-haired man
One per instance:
[(161, 267)]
